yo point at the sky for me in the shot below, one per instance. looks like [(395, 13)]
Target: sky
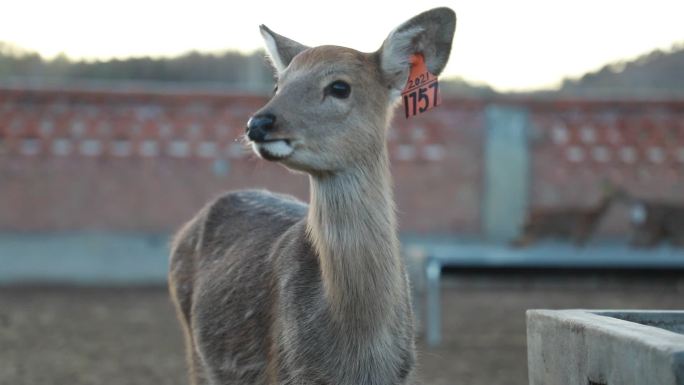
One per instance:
[(512, 45)]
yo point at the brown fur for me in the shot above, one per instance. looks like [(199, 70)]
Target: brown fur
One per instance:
[(272, 291), (655, 222), (576, 224)]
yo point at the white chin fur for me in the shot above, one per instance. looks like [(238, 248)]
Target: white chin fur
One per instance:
[(274, 149)]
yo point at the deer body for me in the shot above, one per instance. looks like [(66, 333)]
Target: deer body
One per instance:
[(654, 222), (272, 291), (576, 224)]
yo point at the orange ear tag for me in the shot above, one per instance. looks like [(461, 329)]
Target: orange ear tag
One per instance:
[(422, 89)]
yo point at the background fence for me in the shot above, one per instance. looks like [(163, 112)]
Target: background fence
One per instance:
[(138, 164)]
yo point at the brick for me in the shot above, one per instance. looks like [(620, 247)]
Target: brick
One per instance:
[(140, 161)]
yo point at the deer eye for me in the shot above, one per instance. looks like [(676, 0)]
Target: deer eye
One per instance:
[(338, 89)]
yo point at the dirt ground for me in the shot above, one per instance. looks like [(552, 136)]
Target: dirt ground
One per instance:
[(122, 336)]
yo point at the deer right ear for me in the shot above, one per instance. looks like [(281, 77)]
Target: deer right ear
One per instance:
[(280, 49), (429, 33)]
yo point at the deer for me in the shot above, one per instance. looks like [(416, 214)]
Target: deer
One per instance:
[(577, 224), (653, 222), (270, 290)]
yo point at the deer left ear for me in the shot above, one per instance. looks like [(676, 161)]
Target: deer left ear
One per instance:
[(280, 49), (430, 34)]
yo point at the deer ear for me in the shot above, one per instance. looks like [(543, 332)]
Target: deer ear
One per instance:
[(430, 33), (280, 49)]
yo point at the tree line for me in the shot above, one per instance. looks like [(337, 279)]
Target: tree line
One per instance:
[(658, 73), (231, 69)]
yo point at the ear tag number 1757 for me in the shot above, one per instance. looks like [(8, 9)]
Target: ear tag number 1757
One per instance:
[(422, 89)]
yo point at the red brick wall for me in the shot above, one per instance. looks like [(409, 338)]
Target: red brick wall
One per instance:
[(135, 161), (578, 144), (119, 161)]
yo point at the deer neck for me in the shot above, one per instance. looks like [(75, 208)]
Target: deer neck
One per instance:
[(603, 205), (352, 226)]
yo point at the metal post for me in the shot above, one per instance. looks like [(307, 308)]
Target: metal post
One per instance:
[(433, 271)]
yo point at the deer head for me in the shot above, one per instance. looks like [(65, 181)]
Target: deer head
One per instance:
[(332, 104)]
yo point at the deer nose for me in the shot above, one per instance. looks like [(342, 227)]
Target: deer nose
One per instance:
[(259, 125)]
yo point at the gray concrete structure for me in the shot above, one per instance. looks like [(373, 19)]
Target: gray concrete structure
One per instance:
[(582, 347), (507, 172), (83, 258)]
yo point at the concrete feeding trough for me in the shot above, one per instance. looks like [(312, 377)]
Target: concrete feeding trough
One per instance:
[(611, 347)]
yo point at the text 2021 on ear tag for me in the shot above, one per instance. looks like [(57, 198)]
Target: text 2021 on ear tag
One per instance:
[(422, 89)]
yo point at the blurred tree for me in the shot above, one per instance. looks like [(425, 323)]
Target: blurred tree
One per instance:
[(229, 69), (460, 87), (658, 73)]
